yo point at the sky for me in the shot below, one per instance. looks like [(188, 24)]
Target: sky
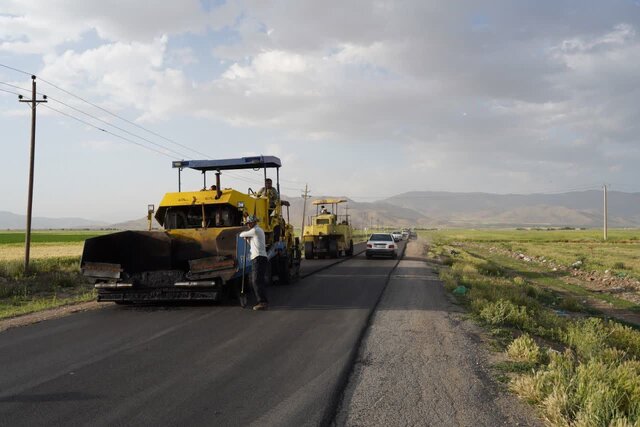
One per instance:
[(365, 99)]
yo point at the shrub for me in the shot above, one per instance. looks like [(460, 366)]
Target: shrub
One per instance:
[(491, 269), (524, 349), (570, 304), (504, 312), (587, 337), (520, 281), (619, 265), (624, 338)]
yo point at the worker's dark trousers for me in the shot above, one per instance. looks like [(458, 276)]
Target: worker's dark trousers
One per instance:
[(258, 277)]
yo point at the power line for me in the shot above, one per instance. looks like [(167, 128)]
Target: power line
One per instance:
[(105, 122), (8, 91), (121, 118), (116, 127), (15, 69), (250, 180), (17, 87), (105, 110), (107, 131)]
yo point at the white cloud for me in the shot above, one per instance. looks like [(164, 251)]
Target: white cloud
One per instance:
[(122, 74), (474, 95), (31, 26)]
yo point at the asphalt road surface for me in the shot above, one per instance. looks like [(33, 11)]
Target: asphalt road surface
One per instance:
[(196, 365)]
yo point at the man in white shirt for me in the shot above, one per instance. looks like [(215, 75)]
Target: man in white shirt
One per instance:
[(259, 261)]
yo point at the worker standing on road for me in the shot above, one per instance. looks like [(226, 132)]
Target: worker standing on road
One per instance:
[(259, 261)]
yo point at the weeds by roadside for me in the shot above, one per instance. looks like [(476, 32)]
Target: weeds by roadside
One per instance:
[(580, 370), (51, 282)]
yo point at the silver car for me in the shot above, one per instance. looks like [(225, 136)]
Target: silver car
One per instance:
[(382, 244)]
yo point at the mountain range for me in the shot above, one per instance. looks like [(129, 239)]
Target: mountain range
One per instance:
[(435, 209)]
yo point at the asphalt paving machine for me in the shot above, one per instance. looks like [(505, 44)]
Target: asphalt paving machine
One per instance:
[(198, 255), (328, 233)]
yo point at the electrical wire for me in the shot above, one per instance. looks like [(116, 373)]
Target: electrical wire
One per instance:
[(246, 179), (8, 91), (15, 69), (15, 87), (105, 110), (116, 127), (120, 117), (106, 131)]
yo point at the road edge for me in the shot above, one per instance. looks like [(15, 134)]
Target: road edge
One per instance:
[(328, 419)]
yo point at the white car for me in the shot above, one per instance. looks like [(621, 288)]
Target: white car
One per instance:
[(397, 235), (382, 244)]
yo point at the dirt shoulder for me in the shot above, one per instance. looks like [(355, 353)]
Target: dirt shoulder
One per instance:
[(49, 314), (421, 364)]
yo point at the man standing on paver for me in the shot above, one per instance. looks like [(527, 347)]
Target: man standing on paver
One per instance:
[(259, 261)]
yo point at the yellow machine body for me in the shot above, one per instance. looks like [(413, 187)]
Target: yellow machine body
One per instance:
[(328, 233), (196, 254)]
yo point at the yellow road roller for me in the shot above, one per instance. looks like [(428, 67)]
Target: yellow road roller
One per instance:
[(328, 234)]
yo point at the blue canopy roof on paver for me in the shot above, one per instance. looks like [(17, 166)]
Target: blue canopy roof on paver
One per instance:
[(256, 162)]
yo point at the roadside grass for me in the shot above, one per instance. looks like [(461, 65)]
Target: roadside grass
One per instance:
[(579, 369), (54, 277), (51, 282)]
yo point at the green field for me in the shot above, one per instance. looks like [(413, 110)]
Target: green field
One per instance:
[(619, 253), (18, 237), (564, 349)]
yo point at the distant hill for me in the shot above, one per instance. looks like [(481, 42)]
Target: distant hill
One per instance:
[(372, 213), (135, 224), (578, 208), (434, 209), (9, 220)]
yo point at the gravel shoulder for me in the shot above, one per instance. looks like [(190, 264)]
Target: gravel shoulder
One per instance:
[(420, 364)]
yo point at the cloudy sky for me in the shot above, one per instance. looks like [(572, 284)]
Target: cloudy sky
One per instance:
[(359, 98)]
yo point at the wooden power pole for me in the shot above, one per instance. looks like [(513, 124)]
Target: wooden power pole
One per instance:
[(32, 153), (605, 212), (305, 196)]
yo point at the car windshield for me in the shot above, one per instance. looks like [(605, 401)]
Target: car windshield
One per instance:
[(381, 237)]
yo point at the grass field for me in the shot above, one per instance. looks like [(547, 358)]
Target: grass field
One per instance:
[(621, 251), (577, 366), (54, 278), (57, 237)]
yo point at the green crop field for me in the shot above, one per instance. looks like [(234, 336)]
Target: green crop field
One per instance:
[(18, 237), (534, 235), (619, 253)]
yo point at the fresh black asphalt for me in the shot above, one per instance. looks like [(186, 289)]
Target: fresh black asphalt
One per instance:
[(195, 365)]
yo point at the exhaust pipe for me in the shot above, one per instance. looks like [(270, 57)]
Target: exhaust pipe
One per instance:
[(218, 190)]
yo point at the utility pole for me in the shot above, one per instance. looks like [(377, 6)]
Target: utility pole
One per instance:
[(305, 196), (32, 153), (605, 211)]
